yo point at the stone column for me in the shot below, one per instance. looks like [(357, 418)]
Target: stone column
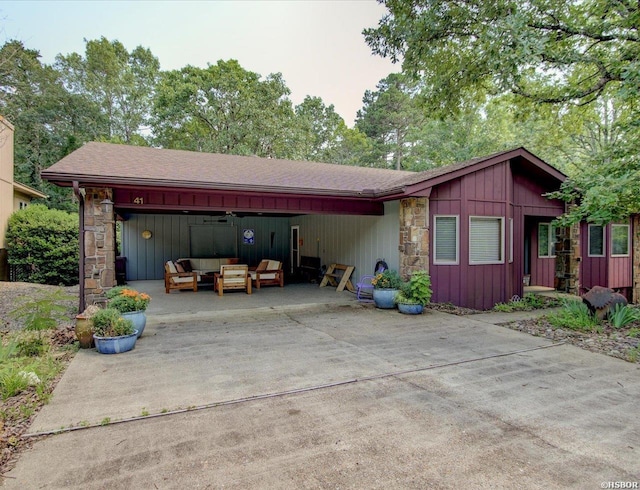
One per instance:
[(99, 245), (635, 244), (568, 259), (414, 235)]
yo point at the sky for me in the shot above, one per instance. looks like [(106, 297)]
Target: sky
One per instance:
[(318, 45)]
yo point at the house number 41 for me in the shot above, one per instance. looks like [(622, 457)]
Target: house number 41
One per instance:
[(138, 200)]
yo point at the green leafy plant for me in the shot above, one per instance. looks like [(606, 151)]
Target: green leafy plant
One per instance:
[(528, 302), (43, 245), (115, 291), (43, 313), (30, 345), (621, 315), (417, 291), (388, 279), (109, 323), (12, 382), (574, 315), (634, 332), (129, 300)]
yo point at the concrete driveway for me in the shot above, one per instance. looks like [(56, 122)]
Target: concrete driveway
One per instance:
[(338, 396)]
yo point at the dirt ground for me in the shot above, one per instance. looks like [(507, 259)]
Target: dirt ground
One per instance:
[(12, 428)]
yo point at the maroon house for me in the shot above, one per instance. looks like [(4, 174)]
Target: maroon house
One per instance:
[(481, 228), (490, 228)]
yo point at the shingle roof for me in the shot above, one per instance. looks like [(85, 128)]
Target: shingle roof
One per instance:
[(111, 164)]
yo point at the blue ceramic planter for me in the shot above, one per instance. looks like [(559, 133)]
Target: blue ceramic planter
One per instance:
[(385, 298), (410, 309), (115, 345), (138, 318)]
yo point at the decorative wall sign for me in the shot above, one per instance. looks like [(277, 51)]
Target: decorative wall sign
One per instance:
[(247, 236)]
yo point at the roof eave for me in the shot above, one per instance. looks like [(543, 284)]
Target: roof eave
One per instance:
[(25, 189), (66, 179)]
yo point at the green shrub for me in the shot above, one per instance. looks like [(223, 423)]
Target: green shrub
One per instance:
[(621, 315), (43, 245), (528, 302), (109, 323), (30, 345), (574, 315)]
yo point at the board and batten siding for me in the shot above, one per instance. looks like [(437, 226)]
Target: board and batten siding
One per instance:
[(607, 271), (352, 240), (171, 240), (482, 193), (505, 190)]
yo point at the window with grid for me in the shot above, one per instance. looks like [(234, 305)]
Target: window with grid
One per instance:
[(445, 240), (486, 240)]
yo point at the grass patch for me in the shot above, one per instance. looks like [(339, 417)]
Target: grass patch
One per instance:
[(528, 302), (574, 315)]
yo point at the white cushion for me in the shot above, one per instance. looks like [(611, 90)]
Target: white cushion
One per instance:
[(270, 275), (182, 280), (172, 267)]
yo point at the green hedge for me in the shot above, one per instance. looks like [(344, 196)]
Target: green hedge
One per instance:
[(43, 245)]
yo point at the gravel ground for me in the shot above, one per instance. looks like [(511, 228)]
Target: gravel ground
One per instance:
[(612, 342), (13, 294)]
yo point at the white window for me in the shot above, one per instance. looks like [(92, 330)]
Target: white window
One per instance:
[(546, 240), (596, 241), (445, 240), (620, 240), (22, 204), (486, 240)]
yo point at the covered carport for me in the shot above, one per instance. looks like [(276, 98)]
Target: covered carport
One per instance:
[(165, 198)]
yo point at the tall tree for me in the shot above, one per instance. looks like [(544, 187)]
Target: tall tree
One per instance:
[(49, 121), (546, 51), (120, 82), (387, 117), (325, 137), (226, 109)]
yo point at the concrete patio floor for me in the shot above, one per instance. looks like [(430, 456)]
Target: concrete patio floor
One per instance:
[(319, 393)]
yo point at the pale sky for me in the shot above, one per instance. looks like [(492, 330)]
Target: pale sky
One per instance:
[(317, 45)]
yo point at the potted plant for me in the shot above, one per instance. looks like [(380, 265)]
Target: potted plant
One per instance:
[(112, 333), (131, 304), (414, 294), (385, 288)]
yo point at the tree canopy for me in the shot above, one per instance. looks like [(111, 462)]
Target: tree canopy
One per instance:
[(571, 54)]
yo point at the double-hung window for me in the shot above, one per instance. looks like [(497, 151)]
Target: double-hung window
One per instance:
[(486, 240), (446, 242), (596, 241), (546, 240)]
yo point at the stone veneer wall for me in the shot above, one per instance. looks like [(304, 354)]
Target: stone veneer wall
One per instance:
[(99, 246), (568, 259), (635, 244), (414, 235)]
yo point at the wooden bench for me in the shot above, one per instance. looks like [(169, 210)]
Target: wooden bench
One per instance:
[(339, 276)]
